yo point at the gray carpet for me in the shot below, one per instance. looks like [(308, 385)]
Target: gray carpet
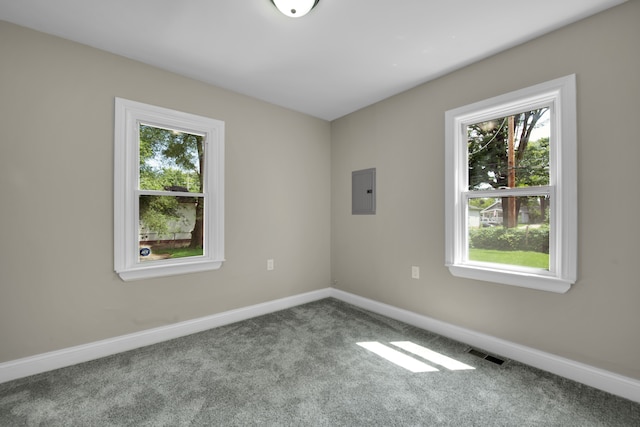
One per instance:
[(302, 366)]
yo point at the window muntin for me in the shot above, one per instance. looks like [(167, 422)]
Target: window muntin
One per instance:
[(517, 149), (169, 192)]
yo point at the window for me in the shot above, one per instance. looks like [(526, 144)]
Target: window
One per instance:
[(169, 191), (511, 188)]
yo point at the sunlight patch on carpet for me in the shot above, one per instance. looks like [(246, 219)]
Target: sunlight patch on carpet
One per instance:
[(432, 356), (397, 357), (410, 363)]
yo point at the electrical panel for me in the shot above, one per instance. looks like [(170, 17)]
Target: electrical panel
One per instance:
[(363, 192)]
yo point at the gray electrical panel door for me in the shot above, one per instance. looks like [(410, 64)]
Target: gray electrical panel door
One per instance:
[(363, 192)]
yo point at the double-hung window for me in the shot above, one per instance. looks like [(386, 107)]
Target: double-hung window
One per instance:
[(168, 191), (511, 190)]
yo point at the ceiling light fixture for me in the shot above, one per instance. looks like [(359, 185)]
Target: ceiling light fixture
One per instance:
[(295, 8)]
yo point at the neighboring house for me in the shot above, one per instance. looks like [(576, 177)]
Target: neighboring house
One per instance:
[(492, 214), (179, 229)]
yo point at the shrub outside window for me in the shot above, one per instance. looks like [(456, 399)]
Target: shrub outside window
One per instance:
[(169, 204), (511, 190)]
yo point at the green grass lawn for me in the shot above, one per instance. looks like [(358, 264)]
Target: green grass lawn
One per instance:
[(522, 258), (180, 252)]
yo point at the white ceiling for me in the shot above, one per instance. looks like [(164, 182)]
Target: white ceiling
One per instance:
[(342, 56)]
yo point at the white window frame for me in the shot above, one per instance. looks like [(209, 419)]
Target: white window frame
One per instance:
[(560, 96), (128, 117)]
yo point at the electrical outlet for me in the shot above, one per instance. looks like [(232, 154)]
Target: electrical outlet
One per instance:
[(415, 272), (270, 264)]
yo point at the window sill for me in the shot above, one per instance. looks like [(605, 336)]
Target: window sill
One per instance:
[(522, 279), (163, 270)]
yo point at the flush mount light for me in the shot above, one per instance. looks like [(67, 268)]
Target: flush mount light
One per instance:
[(295, 8)]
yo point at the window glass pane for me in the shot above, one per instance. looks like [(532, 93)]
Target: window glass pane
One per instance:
[(170, 227), (509, 151), (494, 237), (170, 160)]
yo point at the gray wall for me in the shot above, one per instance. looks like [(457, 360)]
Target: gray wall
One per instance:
[(597, 321), (57, 285)]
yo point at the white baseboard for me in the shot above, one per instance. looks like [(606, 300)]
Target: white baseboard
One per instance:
[(610, 382), (604, 380), (83, 353)]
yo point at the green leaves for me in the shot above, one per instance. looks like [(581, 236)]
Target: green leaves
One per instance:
[(533, 169), (169, 158), (534, 239), (156, 211)]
